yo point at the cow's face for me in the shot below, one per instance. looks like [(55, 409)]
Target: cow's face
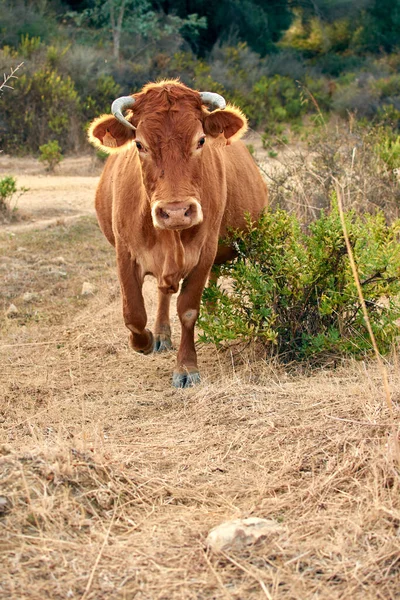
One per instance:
[(170, 145), (172, 132)]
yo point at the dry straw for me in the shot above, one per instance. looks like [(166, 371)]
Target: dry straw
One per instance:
[(111, 480)]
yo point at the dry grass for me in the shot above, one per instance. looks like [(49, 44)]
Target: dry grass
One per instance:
[(302, 179), (112, 479)]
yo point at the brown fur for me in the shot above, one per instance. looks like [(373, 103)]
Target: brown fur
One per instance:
[(221, 178)]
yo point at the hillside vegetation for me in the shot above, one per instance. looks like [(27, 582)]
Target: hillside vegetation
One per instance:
[(280, 61)]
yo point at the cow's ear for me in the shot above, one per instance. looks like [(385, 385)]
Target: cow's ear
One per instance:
[(108, 134), (230, 121)]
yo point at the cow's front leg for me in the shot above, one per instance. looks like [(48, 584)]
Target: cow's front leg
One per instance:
[(162, 328), (140, 338), (186, 372)]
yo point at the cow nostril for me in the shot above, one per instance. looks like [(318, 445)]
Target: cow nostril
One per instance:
[(163, 214), (175, 212)]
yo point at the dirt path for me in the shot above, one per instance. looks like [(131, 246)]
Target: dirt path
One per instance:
[(48, 198), (110, 479)]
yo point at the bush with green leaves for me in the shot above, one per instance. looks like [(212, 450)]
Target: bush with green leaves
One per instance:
[(8, 188), (388, 149), (50, 154), (103, 90), (275, 100), (8, 197), (294, 291), (43, 105)]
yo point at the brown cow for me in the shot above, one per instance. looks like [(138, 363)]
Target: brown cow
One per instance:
[(176, 180)]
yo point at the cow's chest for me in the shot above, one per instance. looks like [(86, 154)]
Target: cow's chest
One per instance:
[(168, 262)]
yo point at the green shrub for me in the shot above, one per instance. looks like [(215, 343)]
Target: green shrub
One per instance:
[(389, 115), (55, 55), (387, 86), (8, 187), (183, 65), (273, 101), (28, 45), (251, 149), (311, 40), (8, 191), (389, 151), (50, 154), (43, 105), (294, 291), (334, 65), (102, 93)]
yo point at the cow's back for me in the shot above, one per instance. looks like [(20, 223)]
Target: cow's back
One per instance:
[(246, 194), (246, 189)]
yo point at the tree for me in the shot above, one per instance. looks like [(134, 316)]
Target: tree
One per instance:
[(373, 25), (380, 26), (257, 22), (138, 18), (116, 20)]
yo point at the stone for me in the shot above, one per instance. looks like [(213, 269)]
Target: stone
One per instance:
[(30, 297), (12, 311), (59, 260), (240, 533), (87, 289)]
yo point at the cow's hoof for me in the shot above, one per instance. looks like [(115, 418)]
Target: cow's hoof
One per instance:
[(147, 349), (185, 380), (162, 343)]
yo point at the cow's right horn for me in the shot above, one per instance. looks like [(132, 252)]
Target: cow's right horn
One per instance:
[(121, 104), (213, 100)]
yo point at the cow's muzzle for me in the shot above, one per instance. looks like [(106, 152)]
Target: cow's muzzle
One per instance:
[(177, 215)]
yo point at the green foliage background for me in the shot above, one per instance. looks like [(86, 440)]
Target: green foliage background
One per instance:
[(277, 60)]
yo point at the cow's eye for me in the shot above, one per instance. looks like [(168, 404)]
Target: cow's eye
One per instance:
[(140, 147), (201, 142)]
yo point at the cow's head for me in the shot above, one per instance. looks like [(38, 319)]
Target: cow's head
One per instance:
[(170, 126)]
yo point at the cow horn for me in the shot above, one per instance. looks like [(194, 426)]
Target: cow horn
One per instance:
[(121, 104), (213, 100)]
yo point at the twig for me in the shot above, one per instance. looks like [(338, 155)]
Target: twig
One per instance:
[(34, 538), (355, 422), (11, 75), (30, 344)]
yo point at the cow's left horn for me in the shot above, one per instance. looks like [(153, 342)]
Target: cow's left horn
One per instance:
[(121, 104), (213, 100)]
